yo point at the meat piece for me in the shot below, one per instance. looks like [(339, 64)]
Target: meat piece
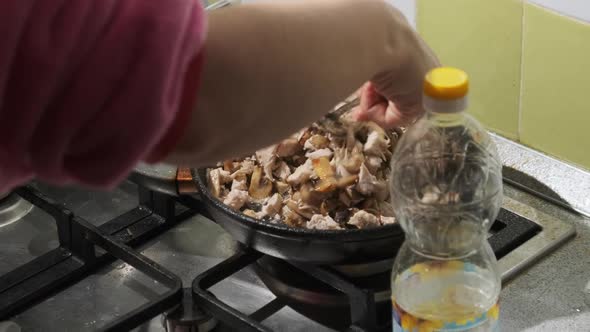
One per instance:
[(236, 199), (319, 221), (217, 178), (239, 184), (282, 171), (366, 183), (302, 174), (377, 143), (266, 157), (288, 148), (363, 219), (322, 153), (246, 168), (430, 194), (291, 218), (373, 163), (387, 220), (271, 207)]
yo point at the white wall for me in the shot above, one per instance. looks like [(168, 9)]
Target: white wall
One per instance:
[(408, 7), (579, 9)]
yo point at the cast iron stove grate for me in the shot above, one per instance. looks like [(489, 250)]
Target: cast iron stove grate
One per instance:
[(508, 232), (83, 248)]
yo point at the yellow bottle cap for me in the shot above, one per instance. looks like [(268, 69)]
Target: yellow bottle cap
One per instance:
[(446, 83)]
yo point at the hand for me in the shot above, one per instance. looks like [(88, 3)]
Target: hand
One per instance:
[(394, 98)]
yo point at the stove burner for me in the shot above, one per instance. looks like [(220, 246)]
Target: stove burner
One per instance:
[(319, 301), (12, 208), (187, 317)]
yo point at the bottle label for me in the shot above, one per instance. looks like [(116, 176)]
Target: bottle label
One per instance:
[(406, 322)]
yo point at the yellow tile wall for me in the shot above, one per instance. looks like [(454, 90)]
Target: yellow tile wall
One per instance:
[(556, 85), (484, 38), (529, 67)]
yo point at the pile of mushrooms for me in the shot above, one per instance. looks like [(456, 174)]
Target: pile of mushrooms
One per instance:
[(331, 175)]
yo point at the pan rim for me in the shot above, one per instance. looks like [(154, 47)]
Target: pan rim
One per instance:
[(386, 231)]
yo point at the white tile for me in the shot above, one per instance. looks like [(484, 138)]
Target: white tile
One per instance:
[(579, 9)]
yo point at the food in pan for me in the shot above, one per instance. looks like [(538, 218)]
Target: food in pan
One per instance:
[(332, 175)]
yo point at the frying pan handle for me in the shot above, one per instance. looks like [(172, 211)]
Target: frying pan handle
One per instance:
[(185, 181)]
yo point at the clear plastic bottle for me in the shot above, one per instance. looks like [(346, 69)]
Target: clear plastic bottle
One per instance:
[(446, 189)]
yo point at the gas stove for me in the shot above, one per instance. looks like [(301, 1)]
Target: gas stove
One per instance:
[(74, 260)]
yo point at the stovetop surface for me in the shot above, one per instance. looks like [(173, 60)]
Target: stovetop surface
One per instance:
[(187, 250)]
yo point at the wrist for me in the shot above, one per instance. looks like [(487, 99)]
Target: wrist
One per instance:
[(406, 58)]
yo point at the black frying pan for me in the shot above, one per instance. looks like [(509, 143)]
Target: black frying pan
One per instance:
[(334, 247)]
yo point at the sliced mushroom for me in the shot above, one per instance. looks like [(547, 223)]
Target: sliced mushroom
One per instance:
[(325, 173), (304, 210), (353, 161), (282, 187), (260, 187), (282, 171), (316, 142), (346, 181), (288, 147)]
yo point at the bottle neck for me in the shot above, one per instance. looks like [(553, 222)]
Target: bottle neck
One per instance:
[(441, 119), (445, 112)]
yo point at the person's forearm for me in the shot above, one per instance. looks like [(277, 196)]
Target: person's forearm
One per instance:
[(273, 68)]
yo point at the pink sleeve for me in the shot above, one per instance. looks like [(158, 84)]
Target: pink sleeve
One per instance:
[(88, 88)]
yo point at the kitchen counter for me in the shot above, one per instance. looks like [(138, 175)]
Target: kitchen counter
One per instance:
[(553, 294), (550, 296)]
